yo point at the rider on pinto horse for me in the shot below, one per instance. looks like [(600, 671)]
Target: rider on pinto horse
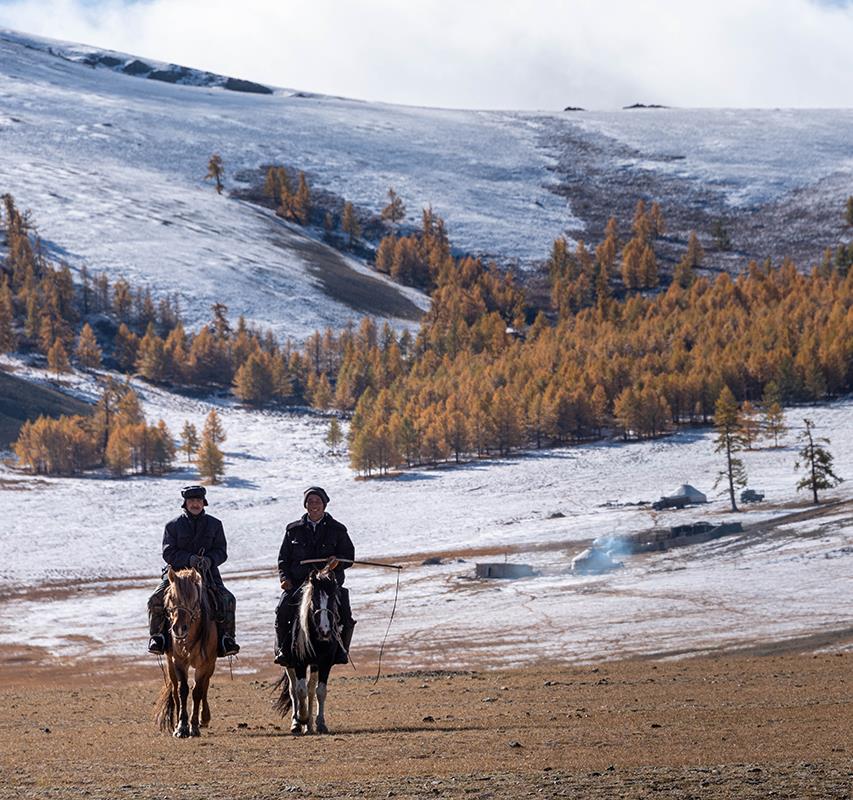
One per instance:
[(317, 535), (194, 539)]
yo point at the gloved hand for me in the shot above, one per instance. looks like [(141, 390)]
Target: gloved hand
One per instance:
[(201, 563)]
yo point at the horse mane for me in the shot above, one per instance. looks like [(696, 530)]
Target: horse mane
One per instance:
[(177, 589), (303, 649)]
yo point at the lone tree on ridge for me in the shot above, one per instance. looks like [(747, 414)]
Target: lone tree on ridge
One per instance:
[(216, 170), (816, 460), (730, 440)]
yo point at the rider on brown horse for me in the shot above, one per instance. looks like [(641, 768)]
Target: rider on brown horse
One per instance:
[(197, 540), (317, 535)]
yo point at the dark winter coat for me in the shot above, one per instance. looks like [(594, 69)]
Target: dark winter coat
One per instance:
[(187, 536), (301, 542)]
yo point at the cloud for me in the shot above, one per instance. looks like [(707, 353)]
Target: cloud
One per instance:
[(540, 54)]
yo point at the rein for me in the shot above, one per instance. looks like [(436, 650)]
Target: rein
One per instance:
[(193, 612), (397, 567), (390, 619)]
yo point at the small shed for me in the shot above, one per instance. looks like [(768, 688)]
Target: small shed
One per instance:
[(504, 570)]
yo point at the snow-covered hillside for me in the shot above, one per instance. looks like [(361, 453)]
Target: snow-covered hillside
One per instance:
[(112, 166), (79, 550)]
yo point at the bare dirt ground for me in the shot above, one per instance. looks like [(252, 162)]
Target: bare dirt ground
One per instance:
[(775, 725)]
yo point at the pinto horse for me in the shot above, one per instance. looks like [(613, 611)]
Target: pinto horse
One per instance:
[(193, 632), (316, 638)]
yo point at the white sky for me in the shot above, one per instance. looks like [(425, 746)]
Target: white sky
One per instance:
[(536, 54)]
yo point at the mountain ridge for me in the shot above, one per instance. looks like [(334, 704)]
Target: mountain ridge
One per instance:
[(116, 164), (127, 64)]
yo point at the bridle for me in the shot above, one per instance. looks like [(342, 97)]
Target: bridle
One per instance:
[(192, 613), (332, 609)]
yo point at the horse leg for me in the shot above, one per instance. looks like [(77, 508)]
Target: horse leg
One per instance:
[(205, 705), (202, 680), (182, 729), (322, 688), (197, 693), (298, 698), (312, 699)]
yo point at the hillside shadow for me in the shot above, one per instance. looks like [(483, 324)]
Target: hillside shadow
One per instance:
[(339, 281), (234, 482), (412, 477), (22, 400), (564, 452), (56, 251), (244, 456)]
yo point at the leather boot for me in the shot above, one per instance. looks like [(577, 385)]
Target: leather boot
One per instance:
[(158, 644), (227, 646), (227, 628), (285, 617)]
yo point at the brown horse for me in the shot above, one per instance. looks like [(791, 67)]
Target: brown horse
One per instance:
[(193, 633)]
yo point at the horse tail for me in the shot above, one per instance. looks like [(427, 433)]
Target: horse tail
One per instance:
[(164, 709), (302, 641), (282, 703)]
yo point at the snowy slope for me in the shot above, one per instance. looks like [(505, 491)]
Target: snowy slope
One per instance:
[(753, 156), (112, 167), (757, 587)]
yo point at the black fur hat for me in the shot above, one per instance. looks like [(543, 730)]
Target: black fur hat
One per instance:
[(319, 491), (189, 492)]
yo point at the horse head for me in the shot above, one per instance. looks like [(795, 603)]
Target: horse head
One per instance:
[(325, 609), (183, 601), (319, 614)]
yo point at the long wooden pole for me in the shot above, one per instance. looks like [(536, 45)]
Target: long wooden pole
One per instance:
[(350, 561)]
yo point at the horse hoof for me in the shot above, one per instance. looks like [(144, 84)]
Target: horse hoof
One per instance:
[(322, 729), (181, 733), (194, 731)]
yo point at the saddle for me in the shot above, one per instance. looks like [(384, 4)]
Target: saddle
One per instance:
[(216, 605)]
